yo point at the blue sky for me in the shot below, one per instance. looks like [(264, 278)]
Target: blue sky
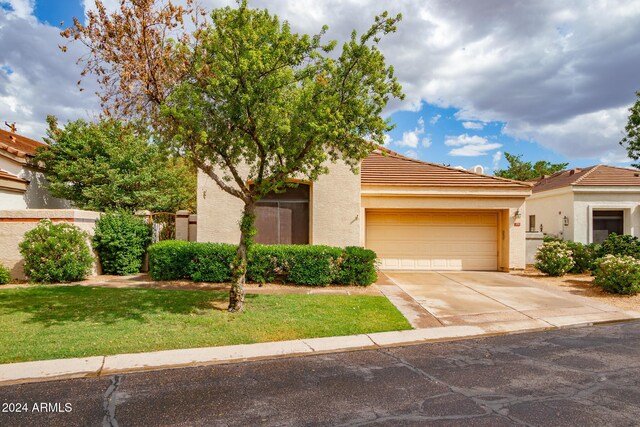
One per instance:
[(546, 80)]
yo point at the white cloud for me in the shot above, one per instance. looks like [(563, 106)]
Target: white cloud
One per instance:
[(387, 140), (411, 153), (20, 8), (497, 156), (433, 120), (412, 138), (464, 139), (615, 157), (473, 125), (426, 142), (469, 145)]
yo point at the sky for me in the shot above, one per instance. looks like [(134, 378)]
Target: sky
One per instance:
[(545, 79)]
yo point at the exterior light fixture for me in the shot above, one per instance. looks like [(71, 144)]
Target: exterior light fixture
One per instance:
[(565, 220), (517, 214)]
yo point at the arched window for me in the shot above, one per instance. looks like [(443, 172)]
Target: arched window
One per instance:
[(283, 218)]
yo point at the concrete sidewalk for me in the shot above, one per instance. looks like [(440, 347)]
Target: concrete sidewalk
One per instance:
[(106, 365)]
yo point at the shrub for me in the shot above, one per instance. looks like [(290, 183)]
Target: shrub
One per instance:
[(584, 256), (621, 245), (298, 264), (357, 267), (5, 275), (618, 274), (55, 253), (211, 262), (554, 258), (312, 264), (121, 240), (551, 238), (170, 260)]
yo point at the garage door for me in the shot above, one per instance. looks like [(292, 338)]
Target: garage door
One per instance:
[(434, 240)]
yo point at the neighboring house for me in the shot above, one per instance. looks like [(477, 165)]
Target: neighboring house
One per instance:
[(415, 215), (586, 204), (23, 185)]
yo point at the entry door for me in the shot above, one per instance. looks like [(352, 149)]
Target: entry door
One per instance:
[(440, 240)]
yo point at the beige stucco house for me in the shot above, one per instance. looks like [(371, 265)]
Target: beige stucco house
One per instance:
[(586, 204), (22, 185), (415, 215)]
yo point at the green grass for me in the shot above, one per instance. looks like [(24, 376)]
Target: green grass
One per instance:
[(42, 322)]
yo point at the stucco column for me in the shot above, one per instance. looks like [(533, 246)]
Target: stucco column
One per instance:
[(182, 225)]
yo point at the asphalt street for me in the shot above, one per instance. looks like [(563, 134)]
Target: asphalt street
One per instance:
[(574, 377)]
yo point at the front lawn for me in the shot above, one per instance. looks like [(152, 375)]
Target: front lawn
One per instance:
[(42, 322)]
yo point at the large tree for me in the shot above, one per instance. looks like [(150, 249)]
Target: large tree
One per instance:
[(111, 165), (525, 171), (631, 140), (250, 102)]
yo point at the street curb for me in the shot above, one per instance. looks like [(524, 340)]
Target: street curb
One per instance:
[(49, 370)]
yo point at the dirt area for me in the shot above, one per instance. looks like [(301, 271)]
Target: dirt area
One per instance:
[(144, 281), (582, 284)]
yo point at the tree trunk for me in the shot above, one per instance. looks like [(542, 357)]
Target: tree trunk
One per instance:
[(239, 265)]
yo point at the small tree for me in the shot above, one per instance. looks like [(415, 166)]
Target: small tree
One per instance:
[(111, 165), (242, 89), (525, 171), (631, 140)]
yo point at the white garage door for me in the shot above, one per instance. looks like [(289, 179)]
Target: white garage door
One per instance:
[(434, 240)]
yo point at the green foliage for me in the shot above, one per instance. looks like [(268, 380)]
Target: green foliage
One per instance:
[(584, 256), (298, 264), (121, 240), (525, 171), (312, 264), (170, 260), (211, 262), (554, 258), (358, 267), (621, 245), (631, 140), (5, 275), (110, 165), (55, 253), (618, 274)]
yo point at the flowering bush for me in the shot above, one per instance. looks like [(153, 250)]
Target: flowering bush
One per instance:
[(55, 253), (554, 258), (618, 274)]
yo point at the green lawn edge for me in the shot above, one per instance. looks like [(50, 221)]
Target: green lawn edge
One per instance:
[(54, 322)]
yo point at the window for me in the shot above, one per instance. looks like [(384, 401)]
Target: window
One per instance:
[(532, 223), (605, 223), (283, 218)]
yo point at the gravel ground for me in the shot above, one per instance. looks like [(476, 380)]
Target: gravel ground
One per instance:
[(582, 284)]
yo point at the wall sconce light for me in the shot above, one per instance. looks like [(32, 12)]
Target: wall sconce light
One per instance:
[(565, 220), (517, 214)]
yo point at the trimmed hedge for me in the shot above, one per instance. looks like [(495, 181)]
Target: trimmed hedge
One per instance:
[(5, 275), (298, 264), (121, 240)]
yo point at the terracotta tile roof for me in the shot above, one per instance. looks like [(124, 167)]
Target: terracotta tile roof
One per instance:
[(386, 167), (18, 145), (598, 175), (6, 175)]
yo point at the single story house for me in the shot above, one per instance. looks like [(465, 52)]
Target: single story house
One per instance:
[(586, 204), (22, 184), (416, 215)]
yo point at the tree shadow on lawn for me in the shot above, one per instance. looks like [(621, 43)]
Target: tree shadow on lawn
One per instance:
[(62, 304)]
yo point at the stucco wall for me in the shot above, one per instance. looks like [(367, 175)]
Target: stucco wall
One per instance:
[(587, 200), (11, 200), (14, 223), (578, 205), (474, 201), (36, 196), (550, 208), (334, 209)]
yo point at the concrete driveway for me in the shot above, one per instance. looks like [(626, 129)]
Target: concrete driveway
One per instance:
[(467, 298)]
